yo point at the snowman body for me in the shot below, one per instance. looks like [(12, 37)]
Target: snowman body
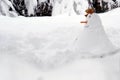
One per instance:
[(93, 38)]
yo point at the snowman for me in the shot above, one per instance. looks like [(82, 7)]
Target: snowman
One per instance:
[(93, 39)]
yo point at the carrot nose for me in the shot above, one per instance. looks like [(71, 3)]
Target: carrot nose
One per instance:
[(84, 22)]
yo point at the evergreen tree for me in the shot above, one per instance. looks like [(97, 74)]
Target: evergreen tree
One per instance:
[(53, 7)]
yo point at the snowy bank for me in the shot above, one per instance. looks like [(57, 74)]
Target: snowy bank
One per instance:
[(41, 49)]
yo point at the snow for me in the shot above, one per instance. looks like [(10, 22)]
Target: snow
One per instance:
[(69, 7), (41, 48), (30, 5), (4, 8)]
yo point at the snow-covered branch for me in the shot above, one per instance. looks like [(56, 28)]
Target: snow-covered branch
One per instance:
[(6, 8)]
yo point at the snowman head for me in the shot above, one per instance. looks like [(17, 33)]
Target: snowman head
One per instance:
[(89, 11), (93, 20)]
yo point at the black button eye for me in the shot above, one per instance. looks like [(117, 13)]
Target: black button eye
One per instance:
[(89, 16), (86, 15)]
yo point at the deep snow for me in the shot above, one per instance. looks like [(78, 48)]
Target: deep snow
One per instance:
[(41, 49)]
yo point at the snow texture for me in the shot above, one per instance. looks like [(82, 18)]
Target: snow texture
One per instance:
[(30, 5), (4, 8), (41, 48), (69, 7)]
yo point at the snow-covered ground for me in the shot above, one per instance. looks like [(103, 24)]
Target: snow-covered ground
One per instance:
[(41, 48)]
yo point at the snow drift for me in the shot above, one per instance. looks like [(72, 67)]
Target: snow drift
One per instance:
[(47, 43), (44, 42)]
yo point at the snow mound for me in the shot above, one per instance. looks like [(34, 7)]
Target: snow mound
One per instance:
[(50, 42)]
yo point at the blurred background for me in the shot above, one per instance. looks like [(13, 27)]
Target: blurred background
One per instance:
[(30, 8)]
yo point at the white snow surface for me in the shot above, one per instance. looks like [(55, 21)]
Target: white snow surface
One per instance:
[(42, 48)]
